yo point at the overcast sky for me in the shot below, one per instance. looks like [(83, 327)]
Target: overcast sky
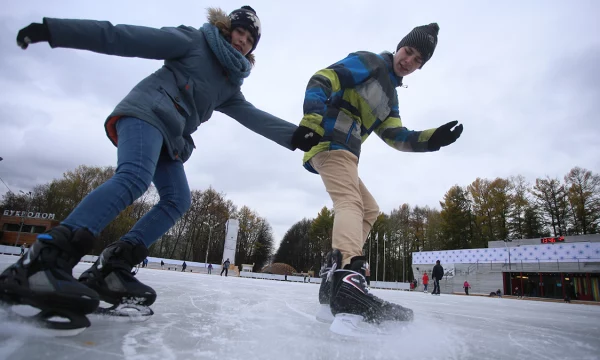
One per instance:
[(522, 78)]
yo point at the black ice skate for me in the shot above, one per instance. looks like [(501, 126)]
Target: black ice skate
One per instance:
[(43, 278), (355, 309), (333, 260), (111, 277)]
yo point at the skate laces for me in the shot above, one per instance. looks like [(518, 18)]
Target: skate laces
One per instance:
[(324, 270), (331, 271)]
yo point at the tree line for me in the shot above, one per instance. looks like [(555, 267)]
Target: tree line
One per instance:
[(200, 232), (469, 217)]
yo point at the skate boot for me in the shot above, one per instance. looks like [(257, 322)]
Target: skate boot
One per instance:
[(43, 278), (112, 279), (332, 261), (358, 312)]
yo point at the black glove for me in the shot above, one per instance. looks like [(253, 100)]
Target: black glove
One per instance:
[(305, 138), (32, 34), (444, 136)]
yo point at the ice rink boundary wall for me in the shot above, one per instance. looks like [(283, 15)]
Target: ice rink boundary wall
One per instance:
[(191, 265)]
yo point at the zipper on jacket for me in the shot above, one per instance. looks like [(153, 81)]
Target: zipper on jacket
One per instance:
[(350, 132)]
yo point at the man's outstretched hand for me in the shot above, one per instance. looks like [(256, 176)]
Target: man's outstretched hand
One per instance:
[(444, 135)]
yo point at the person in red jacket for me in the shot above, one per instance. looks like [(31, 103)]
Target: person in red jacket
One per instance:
[(466, 286), (425, 282)]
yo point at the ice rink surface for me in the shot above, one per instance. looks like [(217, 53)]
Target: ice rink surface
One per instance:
[(199, 316)]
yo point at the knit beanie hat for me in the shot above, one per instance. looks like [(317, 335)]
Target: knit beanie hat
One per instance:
[(246, 18), (423, 38)]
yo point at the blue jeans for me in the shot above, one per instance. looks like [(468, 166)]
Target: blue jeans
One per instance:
[(436, 286), (139, 162)]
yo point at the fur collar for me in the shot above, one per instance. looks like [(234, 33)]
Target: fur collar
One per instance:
[(217, 15), (221, 20)]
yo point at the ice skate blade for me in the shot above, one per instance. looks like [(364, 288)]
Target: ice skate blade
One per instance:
[(53, 323), (125, 313), (354, 326), (63, 333), (324, 315)]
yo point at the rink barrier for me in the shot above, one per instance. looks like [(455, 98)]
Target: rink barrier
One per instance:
[(317, 280), (16, 250), (390, 285), (178, 263), (253, 275), (10, 250), (200, 267)]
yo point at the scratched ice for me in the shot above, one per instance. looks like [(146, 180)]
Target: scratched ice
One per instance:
[(202, 316)]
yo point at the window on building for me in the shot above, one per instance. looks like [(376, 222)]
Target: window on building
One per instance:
[(38, 229), (11, 227), (33, 229)]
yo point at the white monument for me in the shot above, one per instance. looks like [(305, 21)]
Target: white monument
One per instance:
[(230, 240)]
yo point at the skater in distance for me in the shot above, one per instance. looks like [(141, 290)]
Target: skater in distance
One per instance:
[(437, 274), (344, 104), (151, 127)]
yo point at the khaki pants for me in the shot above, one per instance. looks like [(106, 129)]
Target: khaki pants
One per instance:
[(355, 208)]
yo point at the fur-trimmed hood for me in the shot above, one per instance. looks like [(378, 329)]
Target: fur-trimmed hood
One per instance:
[(216, 15), (220, 19)]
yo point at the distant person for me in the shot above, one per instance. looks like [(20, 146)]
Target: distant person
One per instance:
[(225, 267), (569, 292), (162, 264), (437, 274), (425, 281), (518, 293), (22, 249), (499, 293), (183, 266), (466, 286), (210, 269)]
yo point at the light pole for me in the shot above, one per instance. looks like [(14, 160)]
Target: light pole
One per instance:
[(210, 227), (377, 265), (23, 216), (509, 267), (370, 247), (383, 258), (508, 250), (401, 246), (403, 267)]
